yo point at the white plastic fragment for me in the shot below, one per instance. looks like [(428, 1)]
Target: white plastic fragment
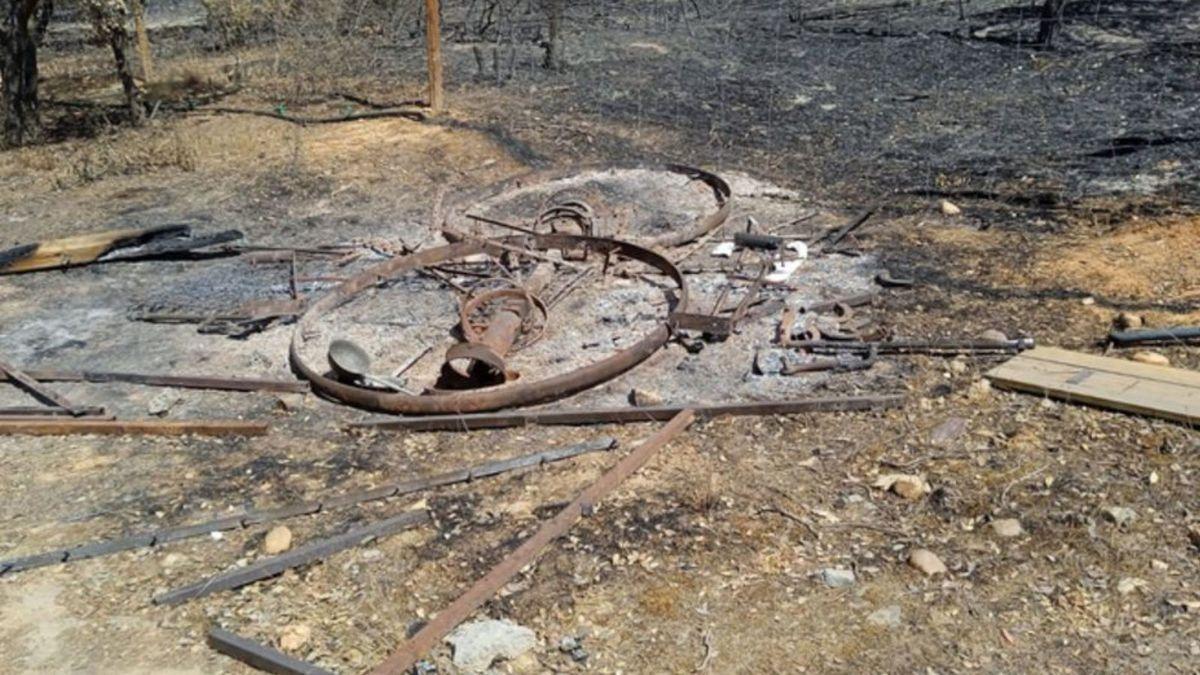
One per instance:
[(800, 248), (723, 250)]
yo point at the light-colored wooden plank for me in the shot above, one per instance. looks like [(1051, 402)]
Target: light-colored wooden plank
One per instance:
[(84, 248), (1159, 391), (1146, 371)]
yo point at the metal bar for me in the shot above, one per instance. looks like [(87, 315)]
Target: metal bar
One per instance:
[(835, 237), (583, 416), (178, 381), (299, 556), (501, 223), (34, 412), (433, 632), (937, 347), (73, 427), (256, 516), (260, 656), (1178, 334), (31, 385)]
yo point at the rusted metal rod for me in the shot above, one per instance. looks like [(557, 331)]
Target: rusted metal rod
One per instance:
[(258, 516), (258, 656), (83, 425), (177, 381), (313, 551), (518, 418), (31, 385), (432, 633)]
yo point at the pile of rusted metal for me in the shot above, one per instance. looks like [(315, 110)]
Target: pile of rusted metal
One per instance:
[(511, 281)]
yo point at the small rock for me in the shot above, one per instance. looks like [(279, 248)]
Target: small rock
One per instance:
[(568, 643), (949, 208), (887, 617), (294, 636), (278, 540), (479, 643), (944, 433), (909, 487), (1088, 301), (1130, 584), (1151, 358), (957, 366), (172, 559), (980, 389), (289, 402), (162, 403), (834, 577), (644, 397), (1159, 566), (1007, 527), (926, 561), (1121, 515), (1127, 320), (993, 335)]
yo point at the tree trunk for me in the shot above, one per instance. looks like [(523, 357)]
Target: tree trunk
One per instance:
[(119, 40), (18, 64), (1052, 11), (554, 41), (145, 59), (433, 53)]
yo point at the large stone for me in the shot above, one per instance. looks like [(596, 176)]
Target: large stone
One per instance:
[(480, 643)]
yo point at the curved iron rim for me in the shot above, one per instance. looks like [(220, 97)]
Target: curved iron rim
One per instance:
[(455, 212), (520, 393)]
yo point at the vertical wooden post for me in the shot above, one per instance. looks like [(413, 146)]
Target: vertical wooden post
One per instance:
[(145, 60), (433, 53)]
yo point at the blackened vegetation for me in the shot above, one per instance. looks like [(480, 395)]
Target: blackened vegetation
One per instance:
[(913, 98)]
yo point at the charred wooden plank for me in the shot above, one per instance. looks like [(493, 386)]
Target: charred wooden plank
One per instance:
[(81, 249)]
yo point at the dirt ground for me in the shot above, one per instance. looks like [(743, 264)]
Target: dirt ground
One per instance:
[(708, 560)]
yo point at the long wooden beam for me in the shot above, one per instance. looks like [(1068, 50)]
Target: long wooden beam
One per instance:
[(402, 660), (518, 418)]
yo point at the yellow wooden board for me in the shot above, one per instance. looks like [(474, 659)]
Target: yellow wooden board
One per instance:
[(79, 249), (1119, 384)]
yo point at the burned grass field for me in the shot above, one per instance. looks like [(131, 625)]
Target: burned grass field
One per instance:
[(871, 206)]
